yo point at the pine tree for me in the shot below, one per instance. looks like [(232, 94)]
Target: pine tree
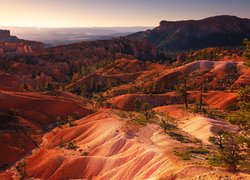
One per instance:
[(230, 148), (137, 104), (147, 110), (181, 89)]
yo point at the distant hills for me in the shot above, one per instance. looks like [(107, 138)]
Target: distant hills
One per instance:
[(197, 34), (164, 42), (62, 36)]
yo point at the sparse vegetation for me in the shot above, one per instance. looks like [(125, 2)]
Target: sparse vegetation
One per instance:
[(9, 121), (169, 126), (190, 152), (246, 53), (20, 168), (167, 123), (231, 149), (181, 89), (139, 118), (184, 155), (85, 153), (137, 104), (198, 150), (124, 98), (59, 122), (71, 145), (71, 121), (147, 111), (242, 116)]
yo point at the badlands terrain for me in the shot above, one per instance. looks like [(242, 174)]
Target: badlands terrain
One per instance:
[(112, 109), (109, 139)]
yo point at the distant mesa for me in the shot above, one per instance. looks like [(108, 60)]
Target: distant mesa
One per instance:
[(10, 45), (217, 31)]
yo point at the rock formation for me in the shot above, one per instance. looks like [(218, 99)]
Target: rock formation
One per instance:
[(10, 45)]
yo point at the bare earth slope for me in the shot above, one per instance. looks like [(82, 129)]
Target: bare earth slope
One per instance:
[(109, 148), (109, 140), (35, 113)]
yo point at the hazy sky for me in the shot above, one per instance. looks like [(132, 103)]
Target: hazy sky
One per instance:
[(104, 13)]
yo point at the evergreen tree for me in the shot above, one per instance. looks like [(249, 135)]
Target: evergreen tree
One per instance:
[(230, 148), (242, 117), (137, 104), (147, 110), (181, 89)]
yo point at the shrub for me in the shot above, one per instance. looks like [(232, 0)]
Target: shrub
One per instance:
[(59, 122), (184, 155), (168, 123), (140, 119), (196, 108), (198, 150), (246, 53), (147, 111), (71, 121), (137, 104), (71, 145), (20, 167), (85, 153), (177, 136)]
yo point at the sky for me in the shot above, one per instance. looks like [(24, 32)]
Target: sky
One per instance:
[(113, 13)]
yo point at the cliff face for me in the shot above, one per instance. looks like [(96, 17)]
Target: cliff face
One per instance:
[(5, 37), (198, 34), (4, 33), (13, 45)]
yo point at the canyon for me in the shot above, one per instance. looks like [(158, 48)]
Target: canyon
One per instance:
[(118, 109)]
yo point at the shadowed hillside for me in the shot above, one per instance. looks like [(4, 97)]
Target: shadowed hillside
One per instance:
[(198, 34)]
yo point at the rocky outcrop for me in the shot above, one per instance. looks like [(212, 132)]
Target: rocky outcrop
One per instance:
[(5, 37), (24, 49), (8, 48), (4, 34), (11, 45)]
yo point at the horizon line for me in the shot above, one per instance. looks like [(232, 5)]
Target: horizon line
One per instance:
[(76, 27), (133, 26)]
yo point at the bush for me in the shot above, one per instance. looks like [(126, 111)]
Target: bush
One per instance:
[(59, 122), (214, 161), (85, 153), (140, 119), (137, 104), (198, 150), (191, 150), (184, 155), (71, 145), (196, 108), (177, 136), (20, 167), (168, 123), (147, 111), (71, 121)]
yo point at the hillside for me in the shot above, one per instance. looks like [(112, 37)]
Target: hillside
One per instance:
[(97, 132), (198, 34), (107, 109)]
